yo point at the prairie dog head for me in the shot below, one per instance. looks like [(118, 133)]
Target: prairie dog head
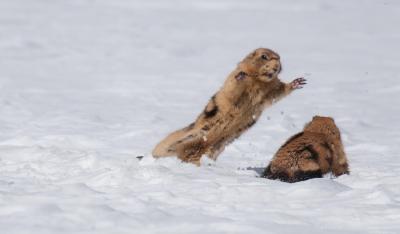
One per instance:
[(263, 64), (324, 125)]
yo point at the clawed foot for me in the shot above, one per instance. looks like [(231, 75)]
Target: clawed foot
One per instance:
[(298, 83)]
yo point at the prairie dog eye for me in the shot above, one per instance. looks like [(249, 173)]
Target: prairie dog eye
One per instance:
[(265, 57)]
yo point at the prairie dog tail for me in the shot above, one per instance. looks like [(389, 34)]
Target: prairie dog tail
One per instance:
[(168, 146)]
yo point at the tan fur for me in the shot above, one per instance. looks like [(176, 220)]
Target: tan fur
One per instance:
[(248, 90), (310, 154)]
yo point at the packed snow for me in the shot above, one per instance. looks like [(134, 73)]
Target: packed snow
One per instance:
[(88, 85)]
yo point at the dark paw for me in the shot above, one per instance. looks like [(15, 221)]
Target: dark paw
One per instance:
[(240, 76), (298, 83)]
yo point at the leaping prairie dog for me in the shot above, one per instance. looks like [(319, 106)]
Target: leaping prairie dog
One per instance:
[(310, 154), (248, 90)]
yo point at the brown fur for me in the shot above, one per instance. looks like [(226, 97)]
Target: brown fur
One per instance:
[(248, 90), (310, 154)]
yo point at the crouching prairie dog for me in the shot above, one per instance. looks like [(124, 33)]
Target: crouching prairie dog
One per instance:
[(251, 87), (310, 154)]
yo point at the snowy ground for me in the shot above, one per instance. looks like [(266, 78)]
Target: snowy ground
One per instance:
[(85, 86)]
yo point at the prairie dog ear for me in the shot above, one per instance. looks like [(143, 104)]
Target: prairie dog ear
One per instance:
[(241, 75), (251, 55)]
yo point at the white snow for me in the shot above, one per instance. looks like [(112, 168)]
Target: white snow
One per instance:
[(88, 85)]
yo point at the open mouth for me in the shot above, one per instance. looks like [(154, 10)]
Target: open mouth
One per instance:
[(274, 72), (268, 74)]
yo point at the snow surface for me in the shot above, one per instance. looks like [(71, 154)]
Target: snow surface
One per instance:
[(86, 86)]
